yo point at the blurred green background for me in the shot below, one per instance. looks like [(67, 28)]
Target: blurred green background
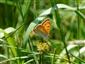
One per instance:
[(66, 40)]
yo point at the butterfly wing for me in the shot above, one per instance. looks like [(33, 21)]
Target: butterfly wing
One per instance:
[(40, 28), (46, 25), (43, 29)]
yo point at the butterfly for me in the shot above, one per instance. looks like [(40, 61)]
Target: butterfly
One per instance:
[(43, 28)]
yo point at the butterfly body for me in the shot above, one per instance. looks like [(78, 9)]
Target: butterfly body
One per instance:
[(43, 29)]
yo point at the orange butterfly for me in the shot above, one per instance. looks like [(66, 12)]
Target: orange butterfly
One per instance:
[(43, 29)]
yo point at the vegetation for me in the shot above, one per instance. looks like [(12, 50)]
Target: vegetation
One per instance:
[(21, 41)]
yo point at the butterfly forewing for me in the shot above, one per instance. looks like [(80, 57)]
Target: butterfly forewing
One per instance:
[(46, 25), (41, 29), (44, 28)]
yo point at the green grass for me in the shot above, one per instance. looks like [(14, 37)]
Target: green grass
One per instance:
[(20, 45)]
